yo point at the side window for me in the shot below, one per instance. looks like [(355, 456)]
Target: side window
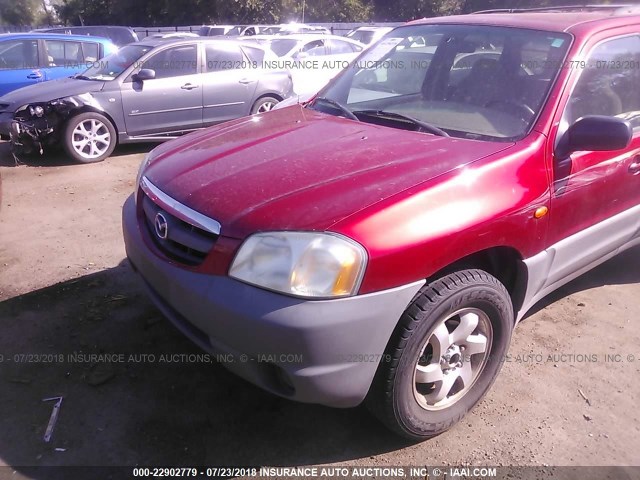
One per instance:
[(16, 54), (60, 53), (608, 85), (174, 62), (223, 57), (90, 52)]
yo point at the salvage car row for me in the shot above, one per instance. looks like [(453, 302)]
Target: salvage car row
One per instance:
[(155, 89)]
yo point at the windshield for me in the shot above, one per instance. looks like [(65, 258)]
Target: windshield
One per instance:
[(471, 81), (282, 47), (235, 31), (113, 65)]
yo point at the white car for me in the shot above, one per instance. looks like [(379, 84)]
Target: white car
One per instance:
[(312, 59), (368, 35)]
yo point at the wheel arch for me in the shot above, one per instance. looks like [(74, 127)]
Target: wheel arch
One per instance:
[(90, 109), (503, 262), (275, 95)]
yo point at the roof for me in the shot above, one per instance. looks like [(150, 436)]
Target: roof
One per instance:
[(551, 21), (372, 28), (299, 37), (53, 36)]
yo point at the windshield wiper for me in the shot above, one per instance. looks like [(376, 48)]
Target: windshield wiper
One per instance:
[(427, 127), (81, 77), (345, 111)]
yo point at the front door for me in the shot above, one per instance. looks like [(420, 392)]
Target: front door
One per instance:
[(595, 195), (172, 101)]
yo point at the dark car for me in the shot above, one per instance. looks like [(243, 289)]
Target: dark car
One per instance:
[(148, 91), (118, 35), (380, 244)]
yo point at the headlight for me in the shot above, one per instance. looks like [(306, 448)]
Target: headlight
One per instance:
[(36, 111), (305, 264), (143, 166)]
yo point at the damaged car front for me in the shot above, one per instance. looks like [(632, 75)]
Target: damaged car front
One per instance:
[(35, 126), (33, 117), (36, 117)]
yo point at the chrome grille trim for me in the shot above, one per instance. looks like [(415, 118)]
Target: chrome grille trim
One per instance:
[(179, 210)]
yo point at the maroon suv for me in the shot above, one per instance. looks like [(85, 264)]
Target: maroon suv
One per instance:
[(380, 243)]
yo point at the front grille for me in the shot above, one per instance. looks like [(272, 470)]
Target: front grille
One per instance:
[(184, 242)]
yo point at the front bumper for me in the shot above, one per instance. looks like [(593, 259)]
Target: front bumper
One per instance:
[(324, 351)]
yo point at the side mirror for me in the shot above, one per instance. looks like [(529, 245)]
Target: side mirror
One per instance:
[(595, 133), (144, 74)]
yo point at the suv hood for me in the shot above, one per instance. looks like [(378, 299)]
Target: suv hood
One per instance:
[(47, 91), (299, 169)]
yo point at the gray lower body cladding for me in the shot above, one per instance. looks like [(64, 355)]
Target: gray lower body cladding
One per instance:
[(324, 351)]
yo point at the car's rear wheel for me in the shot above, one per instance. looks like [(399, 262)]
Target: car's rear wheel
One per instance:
[(264, 104), (444, 354), (89, 137)]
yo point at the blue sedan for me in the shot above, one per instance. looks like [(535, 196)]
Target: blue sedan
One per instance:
[(28, 58)]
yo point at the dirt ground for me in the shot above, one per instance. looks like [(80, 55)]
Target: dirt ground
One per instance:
[(66, 287)]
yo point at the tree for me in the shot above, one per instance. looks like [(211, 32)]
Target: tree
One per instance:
[(477, 5), (405, 10), (185, 12), (23, 12)]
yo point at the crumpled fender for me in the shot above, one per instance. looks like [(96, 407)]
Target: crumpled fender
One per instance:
[(32, 129)]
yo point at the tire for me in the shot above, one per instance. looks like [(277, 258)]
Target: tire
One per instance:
[(408, 394), (89, 137), (264, 104)]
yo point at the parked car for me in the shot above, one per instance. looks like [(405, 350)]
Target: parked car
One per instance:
[(214, 30), (313, 59), (294, 28), (30, 58), (245, 30), (147, 91), (120, 36), (380, 245), (171, 35), (368, 35)]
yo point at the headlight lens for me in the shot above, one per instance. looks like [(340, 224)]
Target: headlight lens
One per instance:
[(36, 111), (306, 264), (143, 166)]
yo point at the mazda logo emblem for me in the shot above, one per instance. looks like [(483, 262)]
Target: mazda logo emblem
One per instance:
[(162, 226)]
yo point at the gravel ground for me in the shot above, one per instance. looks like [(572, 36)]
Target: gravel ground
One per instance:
[(66, 287)]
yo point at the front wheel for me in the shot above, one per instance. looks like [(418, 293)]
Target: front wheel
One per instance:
[(264, 104), (444, 354), (89, 137)]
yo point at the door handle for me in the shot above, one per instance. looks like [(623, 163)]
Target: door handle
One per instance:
[(188, 86), (34, 75), (634, 168), (245, 81)]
